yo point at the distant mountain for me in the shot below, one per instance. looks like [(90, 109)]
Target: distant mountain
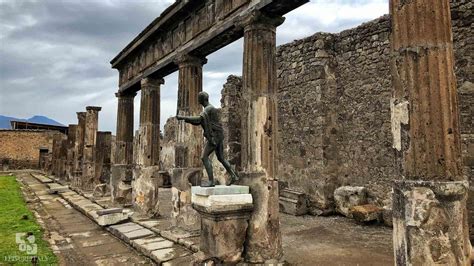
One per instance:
[(5, 121)]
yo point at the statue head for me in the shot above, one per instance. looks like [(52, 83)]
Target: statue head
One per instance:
[(203, 98)]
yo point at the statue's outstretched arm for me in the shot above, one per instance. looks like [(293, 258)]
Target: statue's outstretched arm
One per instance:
[(194, 120)]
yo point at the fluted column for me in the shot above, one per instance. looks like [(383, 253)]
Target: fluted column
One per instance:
[(122, 169), (90, 140), (259, 135), (124, 138), (429, 204), (149, 146), (146, 174), (189, 138)]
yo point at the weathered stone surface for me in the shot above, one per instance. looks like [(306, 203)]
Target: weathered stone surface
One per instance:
[(366, 213), (223, 225), (109, 211), (430, 225), (90, 145), (110, 218), (293, 202), (138, 234), (145, 190), (119, 172), (167, 254), (147, 245), (347, 197), (387, 216), (55, 188), (183, 214)]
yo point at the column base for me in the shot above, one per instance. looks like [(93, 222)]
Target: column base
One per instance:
[(145, 190), (264, 237), (430, 223), (120, 184), (224, 222), (183, 215)]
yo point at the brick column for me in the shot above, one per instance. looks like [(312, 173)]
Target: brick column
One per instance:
[(121, 172), (90, 140), (147, 178), (259, 129), (429, 201), (189, 138)]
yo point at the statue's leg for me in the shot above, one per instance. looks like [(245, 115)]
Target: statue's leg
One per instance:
[(207, 163), (225, 163)]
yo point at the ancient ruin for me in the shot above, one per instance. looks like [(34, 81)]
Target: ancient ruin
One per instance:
[(374, 124)]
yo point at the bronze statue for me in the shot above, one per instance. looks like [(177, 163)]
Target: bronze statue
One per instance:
[(214, 134)]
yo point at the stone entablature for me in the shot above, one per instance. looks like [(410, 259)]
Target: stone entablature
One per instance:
[(188, 27)]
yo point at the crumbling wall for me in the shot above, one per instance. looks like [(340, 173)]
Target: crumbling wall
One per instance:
[(167, 160), (334, 108), (19, 149)]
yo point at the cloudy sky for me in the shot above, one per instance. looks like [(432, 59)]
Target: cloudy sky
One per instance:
[(55, 54)]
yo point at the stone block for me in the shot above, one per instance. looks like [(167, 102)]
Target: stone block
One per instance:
[(56, 188), (140, 233), (220, 190), (293, 202), (347, 197), (111, 218), (109, 211), (148, 245), (167, 254), (222, 200), (366, 213)]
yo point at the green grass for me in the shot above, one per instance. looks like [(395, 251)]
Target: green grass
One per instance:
[(13, 211)]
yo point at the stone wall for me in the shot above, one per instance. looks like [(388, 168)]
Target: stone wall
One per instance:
[(20, 148)]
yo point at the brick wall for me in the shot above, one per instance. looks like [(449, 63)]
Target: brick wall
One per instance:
[(20, 148)]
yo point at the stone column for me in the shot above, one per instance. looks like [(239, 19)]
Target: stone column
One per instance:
[(90, 141), (79, 145), (71, 151), (429, 201), (259, 136), (189, 138), (121, 176), (147, 177)]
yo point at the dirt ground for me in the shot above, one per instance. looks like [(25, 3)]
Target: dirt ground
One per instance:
[(315, 240), (335, 240)]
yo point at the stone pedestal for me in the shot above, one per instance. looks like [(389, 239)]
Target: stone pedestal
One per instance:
[(430, 223), (182, 179), (225, 211)]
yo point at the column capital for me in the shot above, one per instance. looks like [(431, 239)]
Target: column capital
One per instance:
[(257, 20), (189, 60), (121, 94), (93, 108), (151, 82), (81, 115)]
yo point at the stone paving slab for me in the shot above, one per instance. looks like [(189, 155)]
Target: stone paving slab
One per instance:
[(148, 245), (42, 178), (137, 234), (167, 254), (186, 260)]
